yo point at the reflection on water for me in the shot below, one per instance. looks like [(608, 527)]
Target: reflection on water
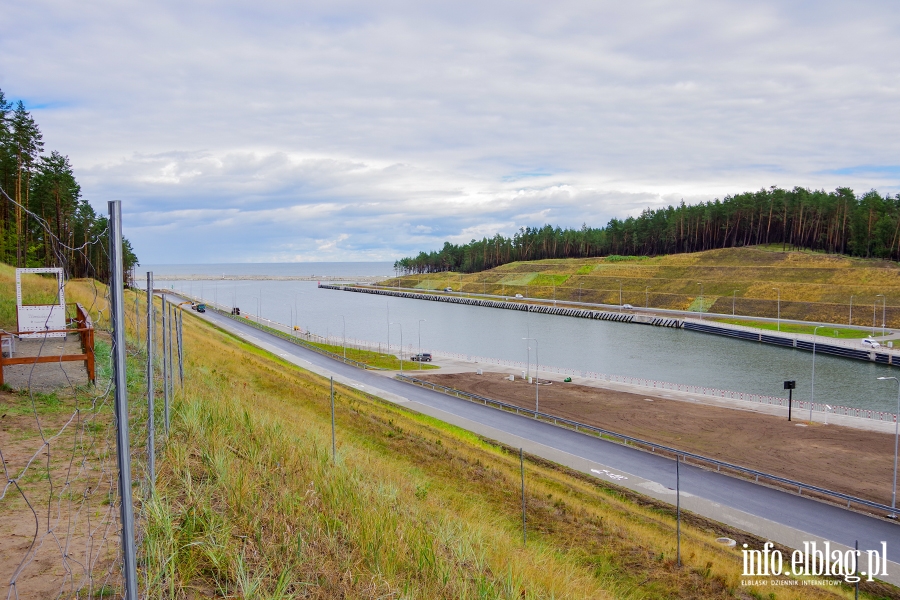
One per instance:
[(601, 346)]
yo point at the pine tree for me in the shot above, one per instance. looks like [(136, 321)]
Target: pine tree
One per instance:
[(27, 143)]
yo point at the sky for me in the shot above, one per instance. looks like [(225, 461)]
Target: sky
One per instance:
[(345, 130)]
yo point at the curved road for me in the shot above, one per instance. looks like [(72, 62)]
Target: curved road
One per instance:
[(774, 514)]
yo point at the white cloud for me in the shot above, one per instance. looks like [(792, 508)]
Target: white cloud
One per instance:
[(238, 132)]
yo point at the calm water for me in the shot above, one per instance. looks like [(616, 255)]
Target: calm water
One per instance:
[(601, 346), (308, 269)]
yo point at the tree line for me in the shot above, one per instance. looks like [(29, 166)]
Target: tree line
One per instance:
[(839, 222), (44, 221)]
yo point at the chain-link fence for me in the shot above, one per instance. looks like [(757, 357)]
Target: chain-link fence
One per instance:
[(61, 506)]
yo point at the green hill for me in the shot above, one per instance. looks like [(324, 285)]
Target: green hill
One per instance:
[(813, 286)]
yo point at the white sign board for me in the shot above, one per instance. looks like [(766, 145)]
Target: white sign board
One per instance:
[(41, 317)]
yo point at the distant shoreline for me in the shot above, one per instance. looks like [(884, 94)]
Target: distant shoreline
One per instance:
[(226, 277)]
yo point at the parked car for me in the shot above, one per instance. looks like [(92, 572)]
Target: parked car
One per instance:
[(870, 343), (627, 307), (519, 296), (424, 357), (448, 289)]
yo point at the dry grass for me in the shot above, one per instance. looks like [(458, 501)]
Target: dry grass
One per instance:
[(249, 504), (814, 287)]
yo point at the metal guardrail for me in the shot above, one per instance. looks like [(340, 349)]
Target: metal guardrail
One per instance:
[(626, 439), (295, 340)]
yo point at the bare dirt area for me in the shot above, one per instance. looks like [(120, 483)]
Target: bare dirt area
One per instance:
[(843, 459), (58, 509)]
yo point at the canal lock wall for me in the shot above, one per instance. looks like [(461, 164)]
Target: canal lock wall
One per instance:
[(883, 356)]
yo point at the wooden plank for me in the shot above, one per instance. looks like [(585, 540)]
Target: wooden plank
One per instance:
[(80, 330), (30, 360)]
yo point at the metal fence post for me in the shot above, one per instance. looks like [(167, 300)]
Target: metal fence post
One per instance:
[(171, 380), (172, 350), (151, 409), (333, 442), (137, 313), (165, 362), (678, 509), (117, 315), (180, 324), (522, 470)]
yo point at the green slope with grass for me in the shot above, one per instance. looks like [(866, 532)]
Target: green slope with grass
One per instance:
[(812, 286)]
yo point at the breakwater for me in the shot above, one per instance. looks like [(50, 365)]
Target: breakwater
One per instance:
[(621, 317), (881, 355)]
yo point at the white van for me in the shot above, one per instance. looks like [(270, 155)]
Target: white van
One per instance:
[(870, 343)]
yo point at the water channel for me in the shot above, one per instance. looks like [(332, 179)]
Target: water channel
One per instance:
[(664, 354)]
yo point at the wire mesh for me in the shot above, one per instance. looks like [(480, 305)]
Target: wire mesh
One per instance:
[(60, 529)]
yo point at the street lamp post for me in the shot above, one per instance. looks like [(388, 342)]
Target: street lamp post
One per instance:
[(701, 300), (647, 296), (883, 308), (536, 378), (893, 514), (258, 309), (344, 335), (850, 320), (420, 343), (296, 309), (579, 290), (812, 396), (779, 307), (733, 294), (400, 325), (874, 307)]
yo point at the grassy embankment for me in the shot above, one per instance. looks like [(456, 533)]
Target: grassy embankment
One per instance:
[(249, 504), (378, 360), (843, 334), (814, 287)]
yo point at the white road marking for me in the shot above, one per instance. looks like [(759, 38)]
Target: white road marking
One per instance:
[(613, 476)]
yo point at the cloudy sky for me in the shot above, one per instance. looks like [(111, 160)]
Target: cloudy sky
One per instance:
[(299, 131)]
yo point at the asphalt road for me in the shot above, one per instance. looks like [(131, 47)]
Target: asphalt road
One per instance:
[(790, 510)]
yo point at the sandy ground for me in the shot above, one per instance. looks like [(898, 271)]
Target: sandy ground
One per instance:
[(47, 377), (843, 459), (58, 526)]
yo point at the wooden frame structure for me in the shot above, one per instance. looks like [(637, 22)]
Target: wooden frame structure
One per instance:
[(41, 318), (85, 327)]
